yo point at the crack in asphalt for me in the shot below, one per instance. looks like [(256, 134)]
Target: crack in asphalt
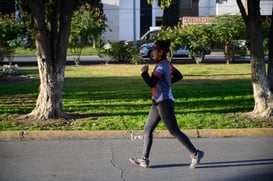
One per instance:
[(116, 166)]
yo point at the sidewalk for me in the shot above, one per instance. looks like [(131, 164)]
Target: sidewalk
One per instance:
[(74, 135)]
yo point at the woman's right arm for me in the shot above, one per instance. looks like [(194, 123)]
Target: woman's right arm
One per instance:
[(151, 81)]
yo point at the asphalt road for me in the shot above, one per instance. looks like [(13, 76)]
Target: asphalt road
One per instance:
[(89, 60), (226, 159)]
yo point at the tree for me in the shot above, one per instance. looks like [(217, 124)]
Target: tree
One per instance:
[(11, 33), (197, 38), (98, 20), (51, 21), (228, 29), (51, 25), (162, 3), (261, 79), (87, 24)]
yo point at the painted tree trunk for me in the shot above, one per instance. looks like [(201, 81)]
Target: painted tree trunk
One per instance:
[(49, 101), (263, 97)]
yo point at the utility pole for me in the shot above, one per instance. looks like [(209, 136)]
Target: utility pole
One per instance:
[(134, 23)]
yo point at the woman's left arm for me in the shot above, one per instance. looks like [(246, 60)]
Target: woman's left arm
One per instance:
[(176, 76)]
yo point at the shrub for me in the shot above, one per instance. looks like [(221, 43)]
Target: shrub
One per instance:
[(119, 52), (136, 58), (10, 70), (122, 52)]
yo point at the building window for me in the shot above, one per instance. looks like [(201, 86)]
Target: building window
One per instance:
[(185, 3)]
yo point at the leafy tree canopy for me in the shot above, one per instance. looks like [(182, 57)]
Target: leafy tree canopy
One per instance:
[(162, 3), (194, 37), (87, 23), (11, 31), (228, 28)]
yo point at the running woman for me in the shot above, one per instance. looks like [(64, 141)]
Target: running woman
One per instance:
[(161, 80)]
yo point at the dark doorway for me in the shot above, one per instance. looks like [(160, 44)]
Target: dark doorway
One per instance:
[(7, 6), (145, 17)]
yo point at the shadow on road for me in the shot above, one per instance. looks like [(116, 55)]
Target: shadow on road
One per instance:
[(169, 165), (224, 164), (239, 163)]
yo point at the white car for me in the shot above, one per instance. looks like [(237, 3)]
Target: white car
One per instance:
[(146, 52)]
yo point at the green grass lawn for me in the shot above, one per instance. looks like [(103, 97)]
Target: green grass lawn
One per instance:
[(114, 97), (87, 51)]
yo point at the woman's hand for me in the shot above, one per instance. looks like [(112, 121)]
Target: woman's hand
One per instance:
[(145, 68)]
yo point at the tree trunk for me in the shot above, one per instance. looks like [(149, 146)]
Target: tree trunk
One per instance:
[(51, 44), (94, 41), (227, 52), (270, 55), (199, 59), (49, 102), (262, 95)]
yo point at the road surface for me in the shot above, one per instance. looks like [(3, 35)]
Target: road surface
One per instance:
[(226, 159)]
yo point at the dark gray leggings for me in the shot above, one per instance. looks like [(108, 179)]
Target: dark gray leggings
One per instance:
[(164, 110)]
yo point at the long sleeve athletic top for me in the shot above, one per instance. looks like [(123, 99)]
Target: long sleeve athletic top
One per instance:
[(163, 75)]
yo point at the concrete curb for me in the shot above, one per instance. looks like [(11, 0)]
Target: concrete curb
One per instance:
[(133, 135)]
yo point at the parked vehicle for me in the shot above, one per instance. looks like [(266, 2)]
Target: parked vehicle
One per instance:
[(146, 52), (147, 37)]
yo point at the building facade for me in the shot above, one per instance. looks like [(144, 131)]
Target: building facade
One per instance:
[(120, 17), (230, 7), (132, 18), (120, 14)]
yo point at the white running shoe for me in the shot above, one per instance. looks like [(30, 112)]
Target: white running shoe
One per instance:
[(140, 162), (195, 159)]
